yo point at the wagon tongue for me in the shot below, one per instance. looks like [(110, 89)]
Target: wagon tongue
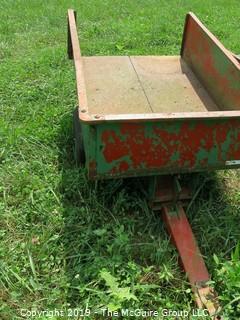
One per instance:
[(168, 197)]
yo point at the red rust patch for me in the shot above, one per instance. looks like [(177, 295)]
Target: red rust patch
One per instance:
[(116, 148), (199, 51), (156, 152)]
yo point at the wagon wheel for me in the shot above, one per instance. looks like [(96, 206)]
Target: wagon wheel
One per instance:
[(79, 153)]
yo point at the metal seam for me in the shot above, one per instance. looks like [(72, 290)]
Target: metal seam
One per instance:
[(140, 83)]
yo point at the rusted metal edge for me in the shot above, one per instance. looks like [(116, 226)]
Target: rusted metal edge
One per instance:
[(184, 33), (75, 53), (236, 56), (211, 36), (91, 118), (138, 173)]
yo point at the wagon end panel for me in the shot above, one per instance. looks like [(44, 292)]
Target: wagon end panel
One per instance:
[(216, 68), (163, 147), (89, 145)]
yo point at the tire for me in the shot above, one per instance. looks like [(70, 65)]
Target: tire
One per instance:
[(79, 153)]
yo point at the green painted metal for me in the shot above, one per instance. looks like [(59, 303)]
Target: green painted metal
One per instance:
[(214, 66), (166, 144), (161, 147)]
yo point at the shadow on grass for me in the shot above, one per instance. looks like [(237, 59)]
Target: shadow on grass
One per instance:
[(215, 213), (108, 226)]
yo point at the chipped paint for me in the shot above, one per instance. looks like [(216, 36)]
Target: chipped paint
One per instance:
[(142, 144), (212, 64), (128, 149)]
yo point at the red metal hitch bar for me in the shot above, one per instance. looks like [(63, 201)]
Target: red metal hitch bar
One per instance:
[(183, 238)]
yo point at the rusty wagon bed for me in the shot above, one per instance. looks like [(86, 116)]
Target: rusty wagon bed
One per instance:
[(153, 115), (158, 116), (135, 84)]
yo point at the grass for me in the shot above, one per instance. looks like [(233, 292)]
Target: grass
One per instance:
[(66, 242)]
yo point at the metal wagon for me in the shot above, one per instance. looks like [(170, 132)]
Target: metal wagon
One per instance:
[(157, 117)]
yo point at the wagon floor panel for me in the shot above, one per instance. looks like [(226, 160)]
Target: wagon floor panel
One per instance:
[(113, 86), (143, 84)]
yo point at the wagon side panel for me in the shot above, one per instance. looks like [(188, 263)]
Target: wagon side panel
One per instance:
[(140, 149), (215, 66)]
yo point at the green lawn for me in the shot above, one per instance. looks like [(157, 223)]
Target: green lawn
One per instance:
[(66, 242)]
